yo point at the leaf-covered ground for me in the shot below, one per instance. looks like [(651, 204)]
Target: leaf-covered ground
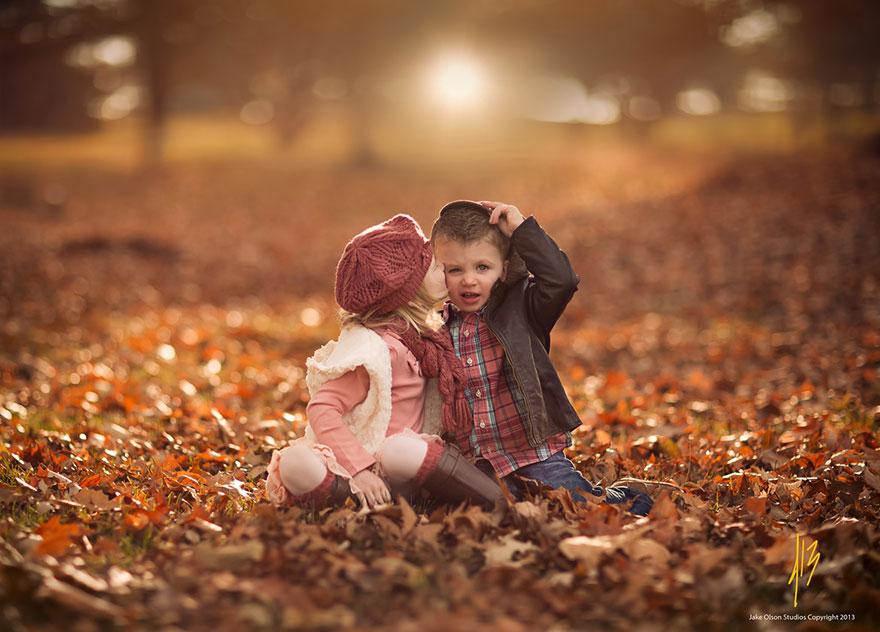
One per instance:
[(726, 337)]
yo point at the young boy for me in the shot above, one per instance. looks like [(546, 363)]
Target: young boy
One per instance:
[(500, 319)]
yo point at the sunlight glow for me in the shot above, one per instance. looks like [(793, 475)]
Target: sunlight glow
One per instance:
[(456, 81)]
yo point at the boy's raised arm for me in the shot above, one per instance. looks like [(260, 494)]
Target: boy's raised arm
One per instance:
[(555, 281)]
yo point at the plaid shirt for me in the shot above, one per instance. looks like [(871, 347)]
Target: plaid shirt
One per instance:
[(497, 404)]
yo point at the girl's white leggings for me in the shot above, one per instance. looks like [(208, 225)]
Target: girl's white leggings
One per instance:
[(400, 457)]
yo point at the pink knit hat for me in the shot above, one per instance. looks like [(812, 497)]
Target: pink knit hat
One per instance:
[(382, 268)]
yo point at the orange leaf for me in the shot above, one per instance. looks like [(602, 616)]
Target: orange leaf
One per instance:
[(615, 379), (56, 536), (90, 481), (157, 515), (245, 392), (128, 403), (577, 373), (198, 513), (187, 478), (735, 483), (755, 505), (700, 381), (816, 458), (746, 451), (172, 461), (137, 520), (213, 457)]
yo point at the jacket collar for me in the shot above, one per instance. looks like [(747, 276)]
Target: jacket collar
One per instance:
[(450, 311), (516, 268)]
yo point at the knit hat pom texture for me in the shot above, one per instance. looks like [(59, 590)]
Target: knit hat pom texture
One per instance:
[(382, 268)]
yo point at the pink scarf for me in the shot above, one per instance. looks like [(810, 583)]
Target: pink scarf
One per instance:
[(436, 357)]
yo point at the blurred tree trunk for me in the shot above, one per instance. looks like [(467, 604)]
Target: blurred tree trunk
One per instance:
[(5, 88), (832, 123), (637, 131), (364, 153), (154, 65), (869, 88)]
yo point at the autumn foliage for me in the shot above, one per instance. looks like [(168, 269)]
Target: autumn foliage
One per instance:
[(726, 338)]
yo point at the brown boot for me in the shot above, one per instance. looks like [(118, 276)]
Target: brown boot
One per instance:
[(332, 492), (339, 492), (451, 478)]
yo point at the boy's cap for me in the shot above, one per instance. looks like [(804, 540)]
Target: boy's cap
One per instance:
[(383, 267)]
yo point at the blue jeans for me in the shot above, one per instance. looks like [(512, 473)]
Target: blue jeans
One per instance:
[(557, 472)]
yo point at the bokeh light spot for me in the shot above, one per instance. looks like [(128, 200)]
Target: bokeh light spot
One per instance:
[(258, 112), (698, 101)]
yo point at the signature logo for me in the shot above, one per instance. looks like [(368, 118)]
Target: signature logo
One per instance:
[(800, 557)]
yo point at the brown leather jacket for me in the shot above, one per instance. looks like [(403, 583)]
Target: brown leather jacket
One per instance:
[(521, 311)]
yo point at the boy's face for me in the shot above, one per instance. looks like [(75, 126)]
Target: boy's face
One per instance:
[(471, 270)]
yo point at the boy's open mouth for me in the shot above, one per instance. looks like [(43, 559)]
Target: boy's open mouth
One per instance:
[(470, 297)]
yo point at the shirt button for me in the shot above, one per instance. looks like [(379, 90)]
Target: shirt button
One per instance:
[(470, 361), (479, 393), (482, 424), (467, 332)]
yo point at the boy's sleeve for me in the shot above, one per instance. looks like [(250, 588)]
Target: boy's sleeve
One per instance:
[(555, 281)]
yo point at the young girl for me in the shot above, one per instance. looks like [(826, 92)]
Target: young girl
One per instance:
[(382, 392)]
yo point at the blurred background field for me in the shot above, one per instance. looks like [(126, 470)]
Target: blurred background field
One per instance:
[(129, 83), (327, 142)]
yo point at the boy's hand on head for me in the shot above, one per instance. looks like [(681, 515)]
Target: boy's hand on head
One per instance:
[(506, 216)]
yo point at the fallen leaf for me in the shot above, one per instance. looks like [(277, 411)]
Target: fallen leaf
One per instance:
[(871, 479), (756, 505), (231, 556), (408, 516), (508, 551), (78, 600), (57, 537), (646, 549), (590, 549), (137, 520)]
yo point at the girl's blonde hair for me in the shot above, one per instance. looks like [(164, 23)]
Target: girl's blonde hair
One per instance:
[(421, 313)]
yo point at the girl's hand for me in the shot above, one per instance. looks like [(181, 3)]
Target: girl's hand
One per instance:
[(374, 491), (507, 216)]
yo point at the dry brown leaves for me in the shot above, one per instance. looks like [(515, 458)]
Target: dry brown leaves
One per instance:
[(725, 338)]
